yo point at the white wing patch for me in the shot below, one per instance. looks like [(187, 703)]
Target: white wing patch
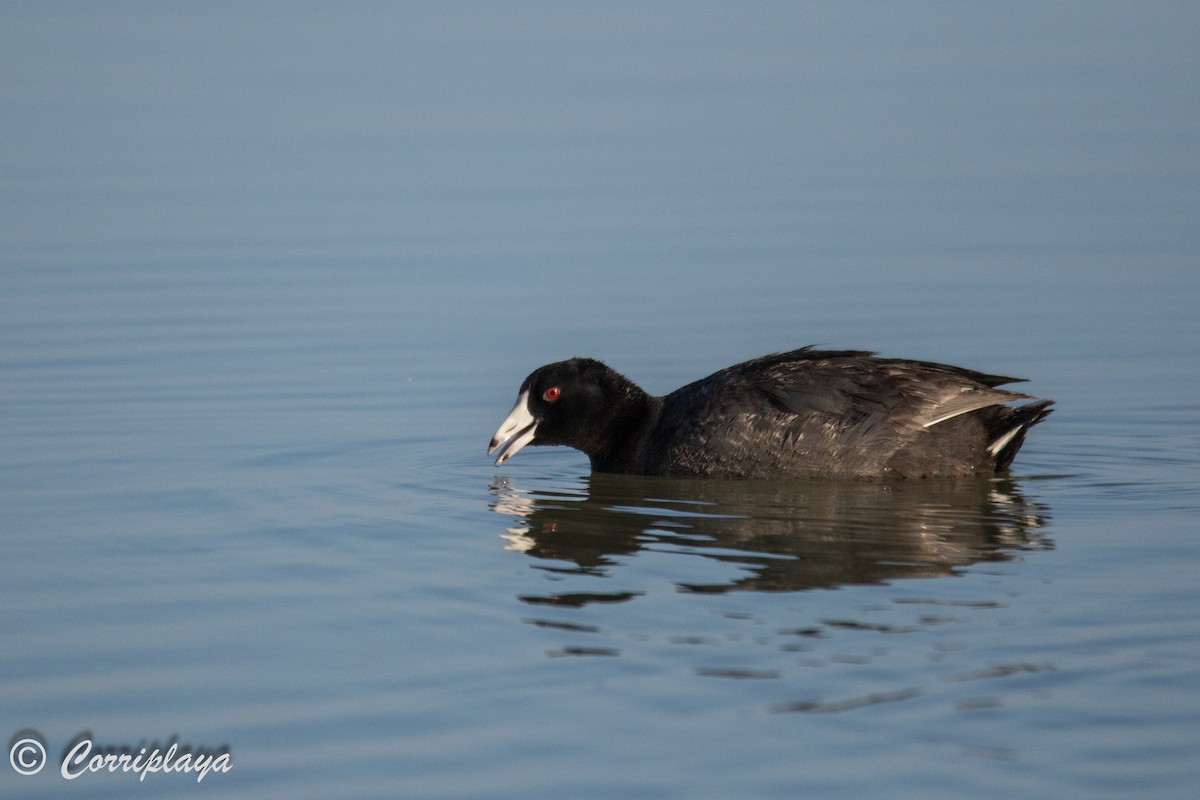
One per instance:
[(964, 401)]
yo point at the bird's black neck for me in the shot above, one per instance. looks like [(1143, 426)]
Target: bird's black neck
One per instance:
[(618, 448)]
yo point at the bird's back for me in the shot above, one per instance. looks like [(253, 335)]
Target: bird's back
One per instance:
[(837, 413)]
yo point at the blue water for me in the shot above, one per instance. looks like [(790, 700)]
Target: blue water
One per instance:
[(271, 276)]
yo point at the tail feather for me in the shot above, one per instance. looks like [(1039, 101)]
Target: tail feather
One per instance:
[(1007, 431)]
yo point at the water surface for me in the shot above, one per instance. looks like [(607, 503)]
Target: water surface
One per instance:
[(269, 279)]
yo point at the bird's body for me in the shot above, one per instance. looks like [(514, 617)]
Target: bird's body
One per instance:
[(804, 413)]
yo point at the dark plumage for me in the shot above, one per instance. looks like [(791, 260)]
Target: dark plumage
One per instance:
[(843, 413)]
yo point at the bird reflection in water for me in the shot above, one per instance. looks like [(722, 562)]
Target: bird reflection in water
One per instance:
[(777, 535)]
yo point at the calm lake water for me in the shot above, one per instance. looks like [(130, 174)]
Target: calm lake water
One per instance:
[(270, 277)]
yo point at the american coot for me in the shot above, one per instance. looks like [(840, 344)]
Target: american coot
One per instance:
[(835, 413)]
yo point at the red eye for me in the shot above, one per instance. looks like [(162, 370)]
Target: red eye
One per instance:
[(551, 394)]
